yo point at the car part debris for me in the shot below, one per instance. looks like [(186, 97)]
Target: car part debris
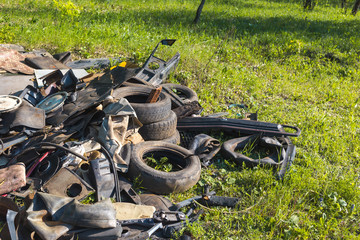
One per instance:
[(116, 177), (146, 234), (279, 153), (288, 160), (5, 205), (65, 213), (93, 63), (47, 168), (236, 125), (66, 183), (49, 78), (232, 148), (159, 202), (44, 62), (91, 96), (188, 109), (159, 130), (112, 135), (38, 217), (39, 145), (10, 219), (77, 147), (45, 77), (205, 147), (127, 193), (187, 202), (14, 83), (185, 174), (83, 171), (171, 229), (26, 193), (11, 61), (31, 95), (217, 115), (9, 103), (183, 93), (115, 128), (156, 76), (165, 217), (53, 103), (10, 141), (102, 178), (95, 234), (154, 95), (12, 178), (68, 81), (24, 116), (35, 164), (63, 57), (146, 112), (168, 221), (98, 215), (212, 200), (68, 210), (126, 211), (90, 112)]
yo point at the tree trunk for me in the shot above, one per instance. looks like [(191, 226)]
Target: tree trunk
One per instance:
[(356, 7), (343, 4), (198, 12), (309, 4)]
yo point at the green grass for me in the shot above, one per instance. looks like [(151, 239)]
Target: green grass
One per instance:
[(295, 67)]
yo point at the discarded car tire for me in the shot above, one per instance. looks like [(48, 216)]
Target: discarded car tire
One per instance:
[(162, 182), (174, 139), (160, 130), (187, 94), (146, 112), (229, 151)]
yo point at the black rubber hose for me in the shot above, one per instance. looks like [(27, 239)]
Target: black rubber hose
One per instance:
[(117, 188), (63, 148), (40, 144)]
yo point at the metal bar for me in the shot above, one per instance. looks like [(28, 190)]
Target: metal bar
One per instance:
[(10, 219), (244, 126)]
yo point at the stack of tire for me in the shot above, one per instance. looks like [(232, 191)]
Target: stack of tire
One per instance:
[(160, 135), (159, 122)]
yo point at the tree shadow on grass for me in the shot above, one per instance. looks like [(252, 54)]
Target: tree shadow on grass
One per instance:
[(214, 24)]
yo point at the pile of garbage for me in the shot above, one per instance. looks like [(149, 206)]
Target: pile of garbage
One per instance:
[(73, 143)]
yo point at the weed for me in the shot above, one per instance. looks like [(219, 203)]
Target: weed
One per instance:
[(67, 9), (161, 164), (89, 199)]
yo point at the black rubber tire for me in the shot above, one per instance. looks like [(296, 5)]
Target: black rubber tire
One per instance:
[(146, 112), (187, 94), (160, 130), (174, 139), (161, 182)]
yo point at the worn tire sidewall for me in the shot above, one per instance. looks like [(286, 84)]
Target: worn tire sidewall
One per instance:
[(164, 182), (146, 112), (188, 92)]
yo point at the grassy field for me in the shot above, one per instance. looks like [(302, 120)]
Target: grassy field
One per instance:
[(295, 67)]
